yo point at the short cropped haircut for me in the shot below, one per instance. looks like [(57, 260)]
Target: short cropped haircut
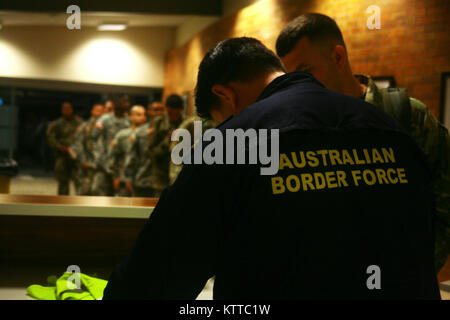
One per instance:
[(318, 28), (236, 59), (174, 101)]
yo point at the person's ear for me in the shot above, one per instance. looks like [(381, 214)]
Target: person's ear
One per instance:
[(339, 57), (225, 94)]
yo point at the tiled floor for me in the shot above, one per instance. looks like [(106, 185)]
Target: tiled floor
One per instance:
[(26, 183)]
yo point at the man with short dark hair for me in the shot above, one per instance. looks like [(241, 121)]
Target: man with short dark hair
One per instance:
[(313, 42), (323, 226)]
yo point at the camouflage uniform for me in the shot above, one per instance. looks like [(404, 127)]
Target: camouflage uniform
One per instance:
[(120, 148), (187, 124), (84, 148), (61, 133), (434, 140), (108, 125), (148, 162)]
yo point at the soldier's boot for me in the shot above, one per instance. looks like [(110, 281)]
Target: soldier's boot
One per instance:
[(63, 187), (102, 184), (86, 183), (98, 184), (62, 174), (123, 192)]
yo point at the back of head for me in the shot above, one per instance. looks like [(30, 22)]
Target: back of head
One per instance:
[(236, 59), (174, 101), (318, 28), (119, 106)]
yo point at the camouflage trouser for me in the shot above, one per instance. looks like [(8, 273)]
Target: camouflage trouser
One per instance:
[(174, 171), (102, 184), (123, 192), (86, 181), (66, 169)]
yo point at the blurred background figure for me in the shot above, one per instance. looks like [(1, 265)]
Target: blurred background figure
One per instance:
[(84, 148), (147, 165), (120, 147), (106, 128), (109, 106), (188, 124), (159, 144), (60, 135), (155, 108), (175, 105)]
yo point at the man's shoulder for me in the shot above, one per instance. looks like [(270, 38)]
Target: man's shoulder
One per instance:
[(374, 96), (142, 130), (125, 132), (105, 118), (417, 106), (159, 121), (423, 122), (188, 123), (124, 119), (56, 122), (79, 120), (298, 108)]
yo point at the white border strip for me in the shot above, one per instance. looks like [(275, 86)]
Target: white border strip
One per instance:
[(53, 210)]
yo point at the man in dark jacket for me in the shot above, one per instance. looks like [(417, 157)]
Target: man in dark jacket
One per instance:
[(340, 217)]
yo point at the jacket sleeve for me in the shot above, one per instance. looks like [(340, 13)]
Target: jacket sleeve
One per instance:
[(433, 137), (112, 166), (101, 149), (131, 162), (174, 255), (77, 146), (52, 136)]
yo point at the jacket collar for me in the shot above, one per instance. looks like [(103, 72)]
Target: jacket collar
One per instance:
[(285, 81)]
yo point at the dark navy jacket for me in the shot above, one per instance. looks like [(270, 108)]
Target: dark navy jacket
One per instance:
[(352, 196)]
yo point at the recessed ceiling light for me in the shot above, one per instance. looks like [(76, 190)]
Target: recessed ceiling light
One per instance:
[(112, 27)]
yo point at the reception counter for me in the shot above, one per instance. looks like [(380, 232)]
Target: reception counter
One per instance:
[(69, 230)]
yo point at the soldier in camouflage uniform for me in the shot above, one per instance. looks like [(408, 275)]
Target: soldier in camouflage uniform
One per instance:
[(313, 42), (434, 140), (107, 127), (120, 148), (60, 136), (84, 148), (188, 124), (147, 166)]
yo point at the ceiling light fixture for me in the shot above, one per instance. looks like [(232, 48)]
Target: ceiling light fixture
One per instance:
[(112, 27)]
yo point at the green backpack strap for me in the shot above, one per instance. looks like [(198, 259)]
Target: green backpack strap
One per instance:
[(396, 103)]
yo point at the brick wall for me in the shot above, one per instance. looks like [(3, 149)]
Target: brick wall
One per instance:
[(413, 44)]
